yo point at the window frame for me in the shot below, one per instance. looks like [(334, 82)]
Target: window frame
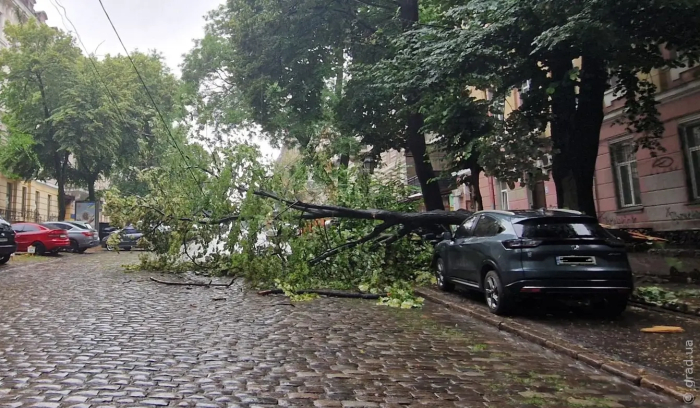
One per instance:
[(504, 192), (617, 174), (692, 182)]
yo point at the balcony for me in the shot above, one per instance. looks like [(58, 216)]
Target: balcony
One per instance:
[(13, 216)]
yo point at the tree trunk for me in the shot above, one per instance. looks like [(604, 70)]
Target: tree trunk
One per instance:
[(472, 163), (61, 170), (589, 119), (61, 200), (91, 190), (430, 188), (564, 159), (476, 188), (409, 13)]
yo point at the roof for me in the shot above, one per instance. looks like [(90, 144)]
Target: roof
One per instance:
[(543, 212)]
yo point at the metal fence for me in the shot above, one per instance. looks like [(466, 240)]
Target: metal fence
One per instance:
[(25, 216)]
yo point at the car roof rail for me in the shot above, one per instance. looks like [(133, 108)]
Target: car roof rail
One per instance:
[(496, 212), (567, 211)]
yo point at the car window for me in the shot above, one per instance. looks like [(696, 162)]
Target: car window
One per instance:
[(488, 227), (51, 227), (465, 230), (560, 229), (58, 225), (130, 231), (26, 228)]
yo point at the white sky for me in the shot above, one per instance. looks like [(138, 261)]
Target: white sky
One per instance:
[(169, 26)]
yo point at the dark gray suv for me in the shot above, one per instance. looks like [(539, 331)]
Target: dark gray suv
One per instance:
[(509, 255)]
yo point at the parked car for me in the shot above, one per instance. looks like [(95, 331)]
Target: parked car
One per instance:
[(45, 239), (81, 238), (128, 238), (105, 230), (7, 241), (510, 255), (83, 225)]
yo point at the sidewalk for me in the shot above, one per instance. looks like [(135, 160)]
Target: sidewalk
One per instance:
[(657, 357)]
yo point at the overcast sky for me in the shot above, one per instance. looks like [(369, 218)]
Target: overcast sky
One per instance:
[(169, 26)]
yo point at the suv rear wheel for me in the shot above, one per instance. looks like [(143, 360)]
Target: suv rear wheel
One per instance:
[(442, 283), (4, 259), (496, 299)]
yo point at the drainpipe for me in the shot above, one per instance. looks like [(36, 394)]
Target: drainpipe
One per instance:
[(493, 193), (595, 198)]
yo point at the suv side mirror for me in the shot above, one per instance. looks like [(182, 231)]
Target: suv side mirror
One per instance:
[(446, 236)]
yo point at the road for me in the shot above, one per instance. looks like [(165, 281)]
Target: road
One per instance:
[(79, 331)]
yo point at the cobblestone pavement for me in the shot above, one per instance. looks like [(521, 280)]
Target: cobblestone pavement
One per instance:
[(80, 332)]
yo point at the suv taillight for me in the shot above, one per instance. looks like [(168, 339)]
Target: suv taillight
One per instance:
[(521, 243)]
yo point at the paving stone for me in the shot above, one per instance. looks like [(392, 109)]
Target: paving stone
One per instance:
[(74, 334)]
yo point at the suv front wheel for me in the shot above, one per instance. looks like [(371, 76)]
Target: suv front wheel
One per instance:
[(496, 299)]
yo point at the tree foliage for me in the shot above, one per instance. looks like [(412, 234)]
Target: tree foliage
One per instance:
[(39, 76), (249, 221), (505, 43), (76, 119), (302, 71)]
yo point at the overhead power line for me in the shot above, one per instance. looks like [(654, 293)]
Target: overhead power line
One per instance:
[(148, 92), (92, 62)]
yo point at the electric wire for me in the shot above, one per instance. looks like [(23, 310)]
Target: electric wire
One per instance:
[(150, 96)]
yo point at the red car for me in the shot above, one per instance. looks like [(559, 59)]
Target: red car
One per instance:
[(44, 239)]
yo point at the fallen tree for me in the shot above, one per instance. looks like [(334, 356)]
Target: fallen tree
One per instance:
[(235, 215)]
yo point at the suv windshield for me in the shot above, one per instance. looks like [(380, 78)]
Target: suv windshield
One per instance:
[(544, 228)]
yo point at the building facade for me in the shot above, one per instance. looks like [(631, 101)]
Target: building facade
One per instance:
[(20, 200), (634, 188)]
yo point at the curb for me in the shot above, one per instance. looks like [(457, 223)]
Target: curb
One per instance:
[(688, 314), (617, 368), (677, 308)]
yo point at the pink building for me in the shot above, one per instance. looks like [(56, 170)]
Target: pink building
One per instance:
[(634, 189)]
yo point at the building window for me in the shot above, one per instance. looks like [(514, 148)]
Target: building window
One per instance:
[(691, 142), (503, 186), (37, 197), (48, 209), (624, 164)]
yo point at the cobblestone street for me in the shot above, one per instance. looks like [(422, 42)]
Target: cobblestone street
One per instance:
[(79, 331)]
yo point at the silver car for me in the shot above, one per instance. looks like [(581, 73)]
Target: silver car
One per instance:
[(81, 236)]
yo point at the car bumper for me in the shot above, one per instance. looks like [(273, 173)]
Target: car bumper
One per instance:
[(88, 244), (571, 287), (8, 249), (56, 244)]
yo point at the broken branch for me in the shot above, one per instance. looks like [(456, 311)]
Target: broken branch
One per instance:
[(320, 292), (210, 284)]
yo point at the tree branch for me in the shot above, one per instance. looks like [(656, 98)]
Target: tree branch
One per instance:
[(375, 233)]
